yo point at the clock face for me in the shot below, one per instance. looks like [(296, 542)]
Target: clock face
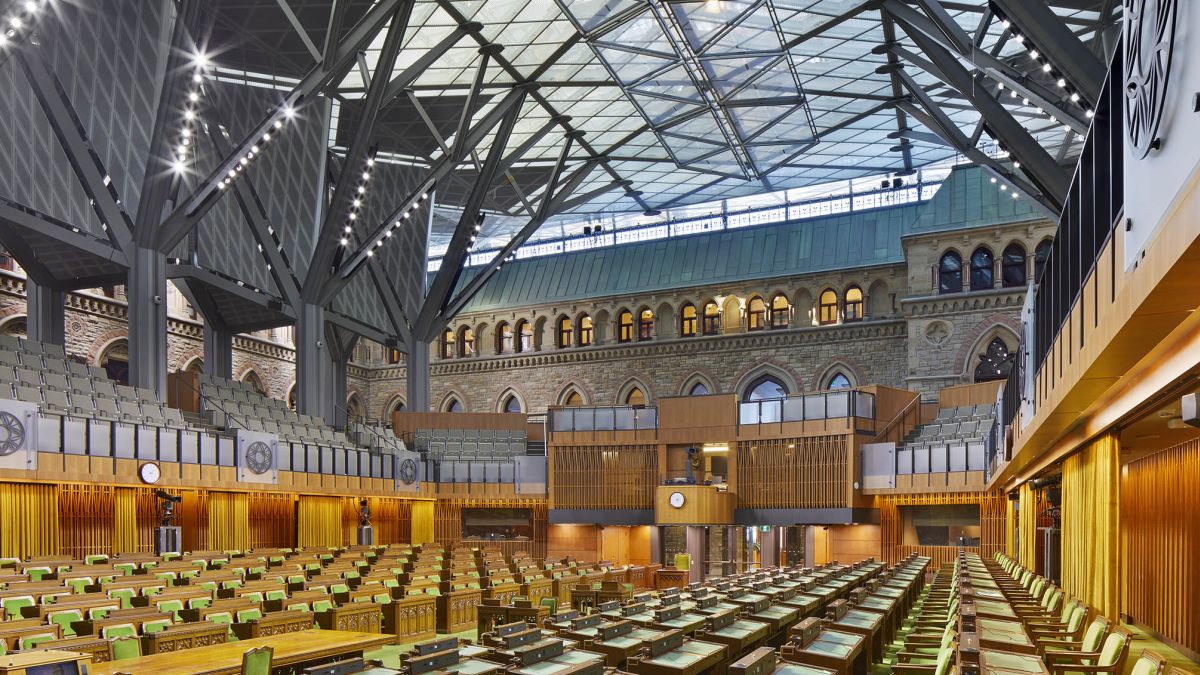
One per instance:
[(149, 472), (677, 500)]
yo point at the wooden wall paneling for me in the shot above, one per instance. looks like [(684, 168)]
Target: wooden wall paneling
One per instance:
[(992, 512), (801, 472), (1160, 543), (85, 513), (448, 524), (604, 477), (968, 394), (272, 517)]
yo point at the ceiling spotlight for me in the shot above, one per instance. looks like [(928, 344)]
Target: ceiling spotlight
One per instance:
[(178, 166), (181, 149), (387, 234), (221, 185), (193, 97), (1003, 187), (1025, 101), (1000, 86), (1046, 67), (1005, 23), (244, 161), (357, 203), (1033, 54), (1019, 38), (278, 124), (200, 60), (231, 173), (1089, 113), (366, 175), (993, 180), (1074, 97), (362, 189), (370, 253), (186, 132), (289, 112), (1016, 165), (1014, 195), (1062, 83), (15, 22), (266, 137), (353, 215), (370, 161), (345, 241), (30, 6), (424, 195), (189, 115), (404, 215), (197, 78)]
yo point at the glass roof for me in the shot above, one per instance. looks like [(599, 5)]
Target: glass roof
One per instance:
[(696, 101)]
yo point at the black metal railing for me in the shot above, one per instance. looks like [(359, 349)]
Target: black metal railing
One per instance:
[(1094, 205)]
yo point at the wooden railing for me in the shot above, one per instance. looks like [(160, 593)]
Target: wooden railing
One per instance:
[(898, 427)]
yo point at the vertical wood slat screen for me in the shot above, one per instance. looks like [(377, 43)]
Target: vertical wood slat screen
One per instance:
[(389, 519), (319, 522), (86, 519), (1010, 527), (992, 525), (1027, 517), (604, 477), (792, 473), (228, 521), (27, 517), (1160, 542), (125, 523), (271, 520)]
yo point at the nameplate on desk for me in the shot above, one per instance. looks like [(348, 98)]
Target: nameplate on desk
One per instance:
[(586, 621), (735, 593), (760, 605), (836, 610), (516, 640), (634, 608), (505, 629), (668, 613), (761, 661), (539, 652), (669, 600), (701, 592), (427, 662), (614, 630), (787, 593), (706, 601), (609, 606), (670, 592), (759, 585), (643, 597), (806, 631), (722, 585), (857, 595), (562, 617), (668, 642), (719, 621)]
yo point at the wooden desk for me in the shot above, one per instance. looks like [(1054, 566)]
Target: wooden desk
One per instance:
[(185, 636), (665, 578), (410, 618), (356, 617), (456, 610), (274, 623), (993, 662), (18, 664), (833, 649), (94, 647), (291, 650)]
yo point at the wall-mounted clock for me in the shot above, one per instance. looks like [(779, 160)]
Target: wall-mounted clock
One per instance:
[(676, 500), (149, 472)]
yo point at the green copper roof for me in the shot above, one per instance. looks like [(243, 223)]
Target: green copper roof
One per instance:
[(862, 239)]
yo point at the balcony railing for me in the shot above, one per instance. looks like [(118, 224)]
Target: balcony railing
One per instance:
[(1094, 205), (613, 418), (827, 405)]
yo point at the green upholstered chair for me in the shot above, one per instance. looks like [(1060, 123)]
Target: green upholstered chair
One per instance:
[(1110, 658), (156, 625), (251, 614), (102, 611), (551, 603), (12, 605), (298, 606), (321, 605), (125, 595), (258, 661), (63, 618), (38, 573), (381, 598), (28, 642), (95, 559), (118, 630), (79, 584), (124, 648), (199, 603), (1149, 663), (1093, 637), (276, 595)]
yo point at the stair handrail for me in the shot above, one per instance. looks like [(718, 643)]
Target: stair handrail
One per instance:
[(915, 403)]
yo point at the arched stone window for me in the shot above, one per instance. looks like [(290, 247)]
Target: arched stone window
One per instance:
[(994, 362), (565, 332), (765, 387), (781, 311), (828, 307), (853, 310), (504, 338), (756, 314), (646, 325), (573, 400), (687, 320), (454, 405), (698, 389), (1040, 255), (1013, 266), (625, 326), (950, 273), (712, 318), (466, 341), (983, 270), (512, 404), (447, 349), (524, 336), (636, 398), (839, 381), (586, 331)]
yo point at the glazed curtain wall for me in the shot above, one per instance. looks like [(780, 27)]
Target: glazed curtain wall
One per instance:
[(1091, 494), (1160, 533), (77, 519)]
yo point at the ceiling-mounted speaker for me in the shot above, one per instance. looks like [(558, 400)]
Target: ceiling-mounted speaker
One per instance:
[(1191, 409)]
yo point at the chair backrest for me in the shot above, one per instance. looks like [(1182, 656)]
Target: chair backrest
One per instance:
[(1149, 663), (1116, 646), (943, 660), (125, 648), (258, 661), (1075, 620), (1094, 634)]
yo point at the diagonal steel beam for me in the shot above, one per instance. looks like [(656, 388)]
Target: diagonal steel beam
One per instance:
[(391, 302), (464, 233), (1036, 163), (206, 193), (445, 164), (551, 205), (422, 64), (319, 268), (996, 68), (299, 28), (256, 217), (1062, 47), (932, 139), (86, 164)]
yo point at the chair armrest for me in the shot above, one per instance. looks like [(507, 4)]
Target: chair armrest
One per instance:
[(1051, 642), (1071, 657), (1079, 667), (912, 668), (905, 657)]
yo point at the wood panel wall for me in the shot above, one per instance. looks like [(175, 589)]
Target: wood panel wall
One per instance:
[(968, 394), (793, 473), (603, 477), (1160, 543), (992, 512), (448, 523)]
